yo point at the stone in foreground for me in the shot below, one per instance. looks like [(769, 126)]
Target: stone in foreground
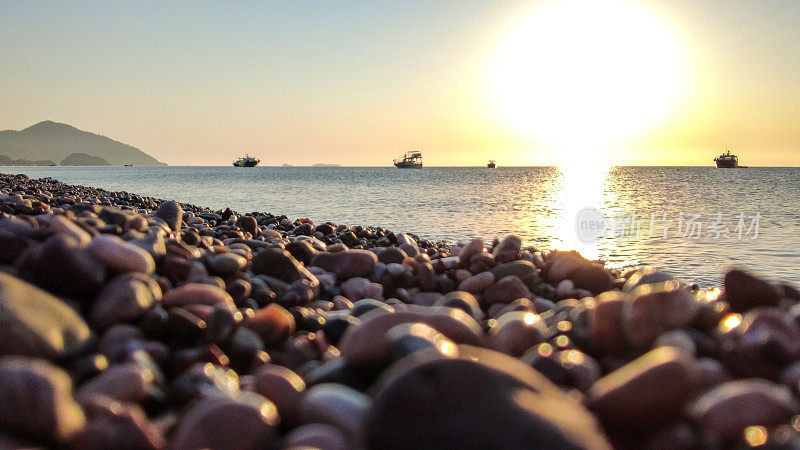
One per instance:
[(33, 322), (36, 400), (482, 399)]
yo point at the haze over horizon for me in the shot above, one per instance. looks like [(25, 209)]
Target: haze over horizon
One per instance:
[(524, 83)]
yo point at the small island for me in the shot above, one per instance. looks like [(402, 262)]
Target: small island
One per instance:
[(84, 159)]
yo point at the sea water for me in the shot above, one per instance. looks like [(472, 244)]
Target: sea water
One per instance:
[(694, 222)]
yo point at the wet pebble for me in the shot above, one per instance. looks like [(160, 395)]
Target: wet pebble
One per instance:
[(336, 325), (462, 300), (282, 387), (391, 255), (280, 264), (221, 323), (35, 323), (426, 276), (214, 421), (475, 246), (517, 331), (760, 343), (126, 298), (335, 404), (414, 404), (593, 278), (562, 265), (346, 264), (248, 224), (583, 371), (477, 283), (227, 263), (726, 410), (407, 338), (317, 436), (121, 256), (647, 393), (425, 298), (112, 424), (128, 382), (67, 269), (274, 324), (363, 306), (202, 380), (192, 293), (302, 251), (645, 275), (172, 213), (365, 345), (655, 309), (605, 321), (36, 400), (524, 270), (508, 248), (505, 290), (62, 225), (744, 291), (358, 288)]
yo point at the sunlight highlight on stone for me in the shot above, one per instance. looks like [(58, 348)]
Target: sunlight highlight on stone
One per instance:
[(755, 436), (730, 322)]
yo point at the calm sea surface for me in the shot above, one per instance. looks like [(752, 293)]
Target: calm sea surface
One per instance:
[(712, 218)]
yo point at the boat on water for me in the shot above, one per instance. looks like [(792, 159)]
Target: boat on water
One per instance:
[(491, 164), (246, 161), (727, 160), (411, 160)]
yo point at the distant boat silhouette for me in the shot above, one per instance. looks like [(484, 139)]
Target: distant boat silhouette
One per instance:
[(246, 161), (728, 161), (411, 160)]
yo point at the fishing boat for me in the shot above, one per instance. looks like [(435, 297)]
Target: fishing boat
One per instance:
[(491, 164), (411, 160), (727, 161), (246, 161)]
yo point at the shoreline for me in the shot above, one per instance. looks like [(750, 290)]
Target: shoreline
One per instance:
[(173, 325), (333, 166)]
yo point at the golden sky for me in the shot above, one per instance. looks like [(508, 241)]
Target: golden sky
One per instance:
[(524, 83)]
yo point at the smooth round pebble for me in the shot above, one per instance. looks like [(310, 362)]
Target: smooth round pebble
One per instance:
[(334, 404), (246, 422)]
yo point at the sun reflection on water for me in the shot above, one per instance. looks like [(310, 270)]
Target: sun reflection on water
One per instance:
[(579, 187)]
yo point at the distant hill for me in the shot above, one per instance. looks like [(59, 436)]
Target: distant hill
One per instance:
[(49, 140), (82, 159), (6, 161)]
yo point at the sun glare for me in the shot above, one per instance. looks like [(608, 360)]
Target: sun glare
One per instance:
[(587, 72), (581, 186)]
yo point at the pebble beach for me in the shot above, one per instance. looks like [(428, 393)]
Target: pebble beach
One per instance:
[(134, 322)]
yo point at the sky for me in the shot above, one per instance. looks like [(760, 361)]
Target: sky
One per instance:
[(359, 83)]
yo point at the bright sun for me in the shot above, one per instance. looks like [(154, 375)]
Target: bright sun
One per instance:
[(586, 72)]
